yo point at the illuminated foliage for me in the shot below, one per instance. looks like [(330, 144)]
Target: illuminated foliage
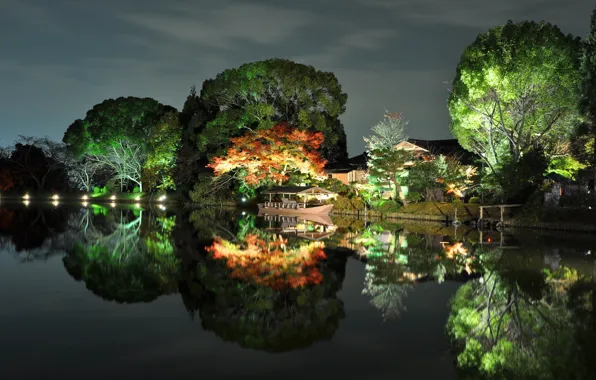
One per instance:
[(262, 94), (524, 321), (389, 165), (388, 132), (165, 140), (121, 263), (118, 133), (270, 155), (515, 89), (271, 263)]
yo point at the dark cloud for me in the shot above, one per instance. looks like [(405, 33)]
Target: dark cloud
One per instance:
[(62, 57)]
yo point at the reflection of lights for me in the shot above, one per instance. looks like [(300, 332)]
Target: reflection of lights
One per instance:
[(113, 204), (162, 198), (55, 197), (113, 197), (84, 197), (55, 203), (26, 202), (137, 205), (85, 204), (455, 249)]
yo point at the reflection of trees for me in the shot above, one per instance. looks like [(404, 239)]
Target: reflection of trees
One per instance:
[(35, 233), (271, 263), (520, 320), (125, 256), (256, 290), (395, 261)]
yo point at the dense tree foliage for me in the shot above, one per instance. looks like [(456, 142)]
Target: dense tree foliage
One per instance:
[(121, 133), (388, 132), (389, 165), (271, 155), (261, 94), (584, 141), (516, 89)]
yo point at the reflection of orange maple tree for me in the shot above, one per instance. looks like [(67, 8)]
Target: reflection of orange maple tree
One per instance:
[(270, 154), (271, 264)]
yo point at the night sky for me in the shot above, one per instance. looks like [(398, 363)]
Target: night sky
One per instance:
[(58, 58)]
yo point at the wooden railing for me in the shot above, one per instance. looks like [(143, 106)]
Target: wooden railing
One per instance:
[(288, 205)]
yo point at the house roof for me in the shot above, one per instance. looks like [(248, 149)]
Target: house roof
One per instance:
[(298, 190), (411, 146), (449, 147)]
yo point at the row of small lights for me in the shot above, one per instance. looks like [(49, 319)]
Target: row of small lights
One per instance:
[(55, 200)]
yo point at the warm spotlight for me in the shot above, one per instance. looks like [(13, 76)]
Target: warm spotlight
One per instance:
[(84, 197), (113, 198), (55, 197), (162, 198)]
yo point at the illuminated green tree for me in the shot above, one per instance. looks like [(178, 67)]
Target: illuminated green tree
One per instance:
[(389, 165), (515, 89), (163, 146), (261, 94), (118, 134)]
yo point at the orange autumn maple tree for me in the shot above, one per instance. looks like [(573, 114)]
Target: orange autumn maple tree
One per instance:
[(271, 263), (272, 154)]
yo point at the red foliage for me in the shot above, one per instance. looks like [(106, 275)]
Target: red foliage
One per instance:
[(271, 154), (7, 179), (270, 263)]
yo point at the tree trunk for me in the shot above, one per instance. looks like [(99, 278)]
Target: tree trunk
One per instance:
[(398, 193)]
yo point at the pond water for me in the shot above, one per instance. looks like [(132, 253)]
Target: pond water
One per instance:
[(99, 292)]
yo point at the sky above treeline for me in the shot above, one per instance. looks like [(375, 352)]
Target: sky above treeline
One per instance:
[(59, 58)]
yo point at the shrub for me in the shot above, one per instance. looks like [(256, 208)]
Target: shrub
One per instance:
[(136, 190), (414, 197), (345, 203), (474, 200)]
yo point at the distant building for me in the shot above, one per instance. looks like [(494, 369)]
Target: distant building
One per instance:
[(347, 175), (355, 169)]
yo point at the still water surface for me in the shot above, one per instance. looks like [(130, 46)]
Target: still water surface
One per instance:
[(101, 292)]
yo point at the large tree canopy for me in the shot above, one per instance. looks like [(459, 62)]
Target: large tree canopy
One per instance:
[(261, 94), (515, 89), (118, 133)]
